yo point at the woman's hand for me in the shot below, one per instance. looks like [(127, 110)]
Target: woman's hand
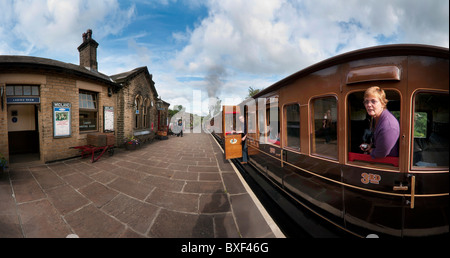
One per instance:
[(367, 148)]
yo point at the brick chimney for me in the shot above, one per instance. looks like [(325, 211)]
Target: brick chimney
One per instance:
[(88, 51)]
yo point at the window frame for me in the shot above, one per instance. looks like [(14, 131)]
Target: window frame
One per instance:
[(94, 110), (251, 118), (138, 111), (32, 90), (285, 127), (312, 135), (374, 164), (412, 131), (146, 114), (267, 122)]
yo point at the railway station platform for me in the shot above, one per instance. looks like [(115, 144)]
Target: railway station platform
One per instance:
[(176, 188)]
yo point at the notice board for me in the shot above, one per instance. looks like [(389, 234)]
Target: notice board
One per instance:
[(62, 126)]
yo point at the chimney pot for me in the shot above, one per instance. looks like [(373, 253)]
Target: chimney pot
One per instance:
[(89, 34)]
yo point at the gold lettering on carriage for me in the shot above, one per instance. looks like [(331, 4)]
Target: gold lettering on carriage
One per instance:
[(367, 178)]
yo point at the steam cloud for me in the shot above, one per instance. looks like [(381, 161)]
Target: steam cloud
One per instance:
[(214, 79)]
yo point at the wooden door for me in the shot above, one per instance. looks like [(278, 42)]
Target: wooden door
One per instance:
[(233, 146)]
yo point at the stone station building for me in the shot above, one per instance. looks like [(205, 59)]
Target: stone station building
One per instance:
[(48, 106)]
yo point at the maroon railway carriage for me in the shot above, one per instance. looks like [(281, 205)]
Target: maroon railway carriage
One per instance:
[(324, 168)]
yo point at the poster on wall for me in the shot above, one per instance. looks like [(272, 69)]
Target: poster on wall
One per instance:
[(61, 120), (108, 116)]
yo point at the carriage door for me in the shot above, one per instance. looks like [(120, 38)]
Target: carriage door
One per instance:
[(428, 212), (23, 133), (231, 128), (375, 191)]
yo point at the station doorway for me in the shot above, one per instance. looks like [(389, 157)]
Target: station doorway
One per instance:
[(23, 133)]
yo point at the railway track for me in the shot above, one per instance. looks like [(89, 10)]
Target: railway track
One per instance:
[(294, 220)]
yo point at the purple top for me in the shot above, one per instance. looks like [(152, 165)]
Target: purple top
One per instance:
[(386, 135)]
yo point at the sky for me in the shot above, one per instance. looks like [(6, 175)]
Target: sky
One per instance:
[(201, 50)]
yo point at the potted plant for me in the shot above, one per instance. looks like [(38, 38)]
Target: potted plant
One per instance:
[(131, 143), (3, 163)]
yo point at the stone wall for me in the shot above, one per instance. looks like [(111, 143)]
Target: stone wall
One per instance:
[(57, 88), (138, 85)]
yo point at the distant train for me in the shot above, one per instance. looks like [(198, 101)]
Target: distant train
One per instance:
[(305, 132)]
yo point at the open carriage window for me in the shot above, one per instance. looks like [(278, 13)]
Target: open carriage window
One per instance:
[(431, 120), (268, 121), (361, 127), (273, 124), (324, 127), (230, 117), (251, 119)]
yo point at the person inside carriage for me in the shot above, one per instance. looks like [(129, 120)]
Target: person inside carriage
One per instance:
[(382, 139)]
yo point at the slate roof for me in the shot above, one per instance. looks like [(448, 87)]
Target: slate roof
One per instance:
[(22, 62), (125, 77), (117, 81)]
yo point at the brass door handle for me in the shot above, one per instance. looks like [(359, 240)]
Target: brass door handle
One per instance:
[(413, 190), (400, 187)]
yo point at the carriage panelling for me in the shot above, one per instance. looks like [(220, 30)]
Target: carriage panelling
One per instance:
[(393, 199)]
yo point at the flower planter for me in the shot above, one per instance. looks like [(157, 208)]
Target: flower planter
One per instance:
[(130, 146)]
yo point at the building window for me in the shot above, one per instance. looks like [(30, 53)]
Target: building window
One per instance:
[(140, 112), (146, 113), (88, 108), (137, 105), (431, 120), (324, 124), (292, 114), (22, 90)]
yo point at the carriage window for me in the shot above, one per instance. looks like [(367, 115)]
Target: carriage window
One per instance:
[(273, 125), (251, 120), (431, 120), (292, 113), (359, 127), (229, 123), (324, 127)]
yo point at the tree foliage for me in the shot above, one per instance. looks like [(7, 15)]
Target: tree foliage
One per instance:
[(252, 92)]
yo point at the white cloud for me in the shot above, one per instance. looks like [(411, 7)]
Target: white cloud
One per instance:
[(56, 25), (279, 36), (240, 43)]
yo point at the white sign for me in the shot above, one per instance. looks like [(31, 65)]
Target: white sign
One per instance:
[(108, 116)]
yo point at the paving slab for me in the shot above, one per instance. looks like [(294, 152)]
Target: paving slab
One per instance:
[(176, 188)]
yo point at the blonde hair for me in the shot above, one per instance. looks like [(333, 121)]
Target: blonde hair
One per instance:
[(376, 91)]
